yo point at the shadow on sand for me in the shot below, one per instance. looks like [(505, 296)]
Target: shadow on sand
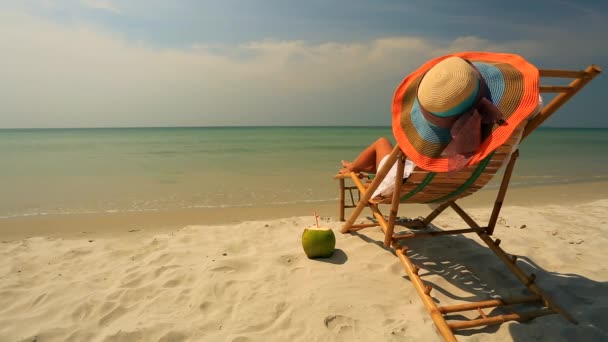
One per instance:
[(460, 270), (338, 258)]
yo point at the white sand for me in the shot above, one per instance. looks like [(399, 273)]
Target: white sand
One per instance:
[(252, 282)]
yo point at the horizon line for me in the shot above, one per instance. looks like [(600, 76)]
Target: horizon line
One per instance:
[(252, 126)]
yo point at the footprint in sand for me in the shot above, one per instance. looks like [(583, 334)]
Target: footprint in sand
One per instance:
[(173, 336), (239, 248), (396, 268), (125, 336), (162, 269), (162, 259), (288, 260), (241, 339), (187, 239), (224, 289), (399, 331), (341, 325), (374, 267), (230, 266), (173, 283), (204, 306), (224, 269), (39, 299), (113, 315), (80, 335), (132, 280), (278, 317), (82, 312)]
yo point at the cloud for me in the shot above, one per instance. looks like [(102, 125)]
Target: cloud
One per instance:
[(74, 76), (104, 5)]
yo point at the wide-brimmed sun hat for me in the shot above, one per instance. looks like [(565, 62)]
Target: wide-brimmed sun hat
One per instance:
[(456, 109)]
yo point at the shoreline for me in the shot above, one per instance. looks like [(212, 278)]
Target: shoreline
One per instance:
[(110, 224)]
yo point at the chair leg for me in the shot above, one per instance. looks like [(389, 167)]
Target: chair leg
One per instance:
[(388, 233), (464, 215), (528, 281), (441, 315), (504, 185), (341, 200), (438, 313), (424, 291), (427, 220), (379, 217)]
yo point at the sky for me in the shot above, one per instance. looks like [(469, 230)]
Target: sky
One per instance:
[(110, 63)]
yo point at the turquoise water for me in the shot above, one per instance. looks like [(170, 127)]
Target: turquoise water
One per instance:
[(66, 171)]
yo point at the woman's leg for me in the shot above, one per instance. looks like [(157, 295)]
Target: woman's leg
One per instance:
[(369, 158)]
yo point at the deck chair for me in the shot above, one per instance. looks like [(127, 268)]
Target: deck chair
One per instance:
[(444, 190)]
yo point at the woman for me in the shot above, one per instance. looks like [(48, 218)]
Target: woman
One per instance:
[(446, 115), (371, 159)]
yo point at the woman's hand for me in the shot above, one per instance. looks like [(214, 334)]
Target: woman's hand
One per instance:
[(347, 167)]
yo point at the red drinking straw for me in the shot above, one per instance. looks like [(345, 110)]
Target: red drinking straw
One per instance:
[(316, 219)]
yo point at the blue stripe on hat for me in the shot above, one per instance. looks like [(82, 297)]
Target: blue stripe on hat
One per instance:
[(427, 130), (494, 79)]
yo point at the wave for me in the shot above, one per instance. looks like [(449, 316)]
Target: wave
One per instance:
[(141, 210)]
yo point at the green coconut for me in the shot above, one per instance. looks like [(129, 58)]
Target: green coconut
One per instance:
[(318, 242)]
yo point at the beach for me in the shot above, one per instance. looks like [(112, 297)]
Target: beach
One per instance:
[(251, 281), (159, 235), (177, 171)]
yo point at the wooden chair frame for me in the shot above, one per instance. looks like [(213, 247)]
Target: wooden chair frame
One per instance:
[(437, 313)]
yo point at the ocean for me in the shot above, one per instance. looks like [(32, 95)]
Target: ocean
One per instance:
[(75, 171)]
